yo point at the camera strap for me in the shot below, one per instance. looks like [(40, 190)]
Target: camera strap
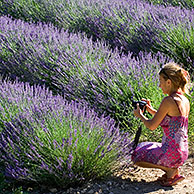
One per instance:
[(137, 136)]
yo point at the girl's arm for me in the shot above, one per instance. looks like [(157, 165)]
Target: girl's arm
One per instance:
[(159, 115)]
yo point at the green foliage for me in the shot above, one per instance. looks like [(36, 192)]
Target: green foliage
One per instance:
[(29, 10), (4, 185), (178, 43), (191, 120), (83, 144), (180, 3), (7, 112), (9, 187)]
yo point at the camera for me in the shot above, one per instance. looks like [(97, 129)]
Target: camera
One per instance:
[(141, 104)]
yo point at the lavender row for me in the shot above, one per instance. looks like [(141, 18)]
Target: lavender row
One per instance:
[(45, 55), (128, 25), (47, 140), (74, 66)]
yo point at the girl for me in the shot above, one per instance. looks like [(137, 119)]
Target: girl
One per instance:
[(172, 116)]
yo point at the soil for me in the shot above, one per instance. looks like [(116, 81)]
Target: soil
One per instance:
[(137, 180)]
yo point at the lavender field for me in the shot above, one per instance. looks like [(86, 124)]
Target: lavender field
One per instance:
[(68, 70)]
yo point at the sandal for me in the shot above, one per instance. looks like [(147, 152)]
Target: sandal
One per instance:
[(172, 181)]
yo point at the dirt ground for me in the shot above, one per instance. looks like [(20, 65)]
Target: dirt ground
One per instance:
[(132, 180), (143, 180), (137, 180)]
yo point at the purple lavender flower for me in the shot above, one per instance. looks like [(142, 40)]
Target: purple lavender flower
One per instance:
[(47, 146)]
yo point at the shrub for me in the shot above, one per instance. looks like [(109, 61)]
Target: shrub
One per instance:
[(52, 142)]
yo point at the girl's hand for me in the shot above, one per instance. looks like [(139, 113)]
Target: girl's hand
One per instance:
[(137, 112), (148, 102), (149, 107)]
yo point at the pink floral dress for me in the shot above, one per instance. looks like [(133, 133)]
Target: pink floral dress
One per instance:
[(173, 151)]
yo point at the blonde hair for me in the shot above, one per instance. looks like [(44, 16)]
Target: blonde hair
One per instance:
[(180, 77)]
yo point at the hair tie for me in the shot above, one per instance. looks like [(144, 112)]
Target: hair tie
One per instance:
[(185, 73)]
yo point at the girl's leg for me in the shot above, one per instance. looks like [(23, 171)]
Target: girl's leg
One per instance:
[(170, 172)]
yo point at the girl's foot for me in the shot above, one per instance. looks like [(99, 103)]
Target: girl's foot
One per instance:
[(171, 173), (172, 181)]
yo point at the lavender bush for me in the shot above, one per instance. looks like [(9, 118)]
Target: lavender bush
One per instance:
[(50, 141)]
